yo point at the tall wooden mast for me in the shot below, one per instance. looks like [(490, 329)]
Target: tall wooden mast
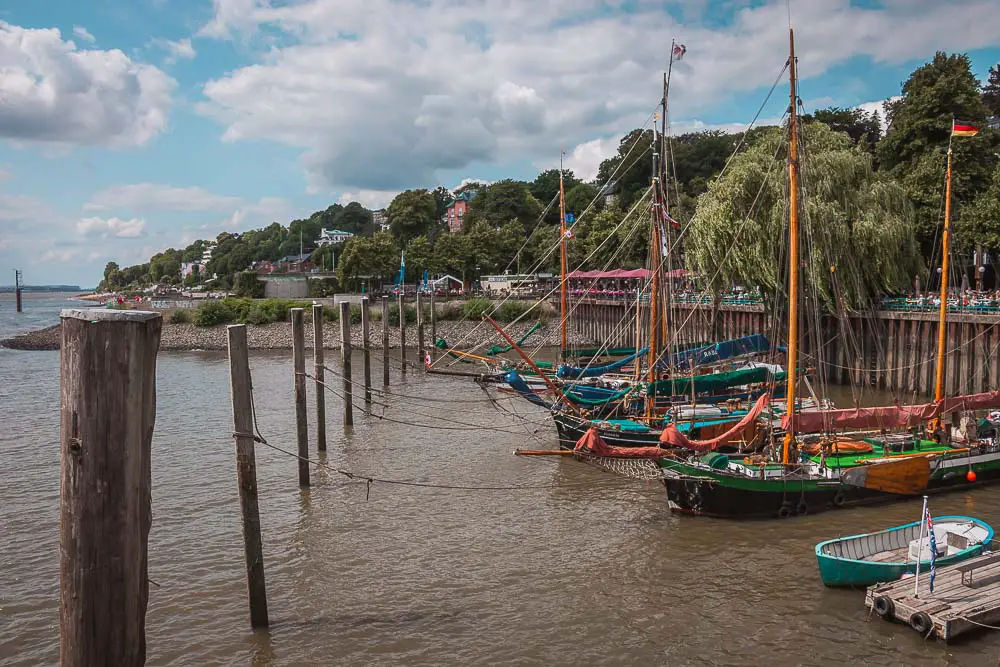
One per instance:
[(563, 287), (793, 252), (943, 310)]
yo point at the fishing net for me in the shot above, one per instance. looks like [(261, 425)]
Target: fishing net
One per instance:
[(635, 468)]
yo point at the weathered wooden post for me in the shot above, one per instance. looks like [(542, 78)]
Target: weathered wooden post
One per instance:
[(434, 332), (246, 471), (385, 340), (107, 413), (18, 305), (299, 365), (402, 334), (345, 361), (319, 375), (367, 347), (420, 328)]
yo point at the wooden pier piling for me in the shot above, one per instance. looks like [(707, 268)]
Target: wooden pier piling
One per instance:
[(18, 304), (319, 376), (434, 331), (246, 471), (107, 413), (299, 384), (420, 328), (402, 334), (345, 362), (366, 346), (385, 340)]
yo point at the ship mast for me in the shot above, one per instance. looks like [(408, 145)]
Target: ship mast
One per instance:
[(943, 310), (563, 287), (793, 253)]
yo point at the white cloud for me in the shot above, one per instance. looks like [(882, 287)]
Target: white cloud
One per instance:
[(264, 212), (145, 197), (4, 173), (83, 34), (176, 50), (371, 199), (54, 92), (21, 208), (379, 95), (587, 157), (111, 227), (58, 256), (878, 106)]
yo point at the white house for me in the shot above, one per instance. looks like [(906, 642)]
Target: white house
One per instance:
[(332, 236), (380, 220)]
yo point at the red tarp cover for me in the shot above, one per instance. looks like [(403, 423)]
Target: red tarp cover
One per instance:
[(889, 416), (592, 443), (623, 273), (674, 438)]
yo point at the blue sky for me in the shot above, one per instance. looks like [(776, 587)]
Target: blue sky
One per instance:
[(130, 126)]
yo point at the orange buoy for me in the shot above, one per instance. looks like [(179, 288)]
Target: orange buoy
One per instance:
[(971, 476)]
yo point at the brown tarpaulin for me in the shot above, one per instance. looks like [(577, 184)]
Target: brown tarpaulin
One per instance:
[(592, 443), (672, 437), (889, 416)]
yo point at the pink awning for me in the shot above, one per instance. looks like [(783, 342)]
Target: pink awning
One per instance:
[(642, 274)]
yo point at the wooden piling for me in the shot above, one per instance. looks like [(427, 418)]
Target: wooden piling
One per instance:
[(319, 375), (299, 384), (345, 362), (402, 334), (420, 328), (385, 340), (434, 331), (246, 471), (107, 413), (366, 346), (18, 304)]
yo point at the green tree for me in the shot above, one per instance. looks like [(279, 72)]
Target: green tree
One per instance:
[(112, 276), (353, 218), (442, 199), (580, 198), (864, 129), (629, 172), (412, 213), (373, 258), (982, 221), (503, 201), (545, 188), (852, 219), (193, 252), (914, 149), (453, 255), (419, 257), (991, 91)]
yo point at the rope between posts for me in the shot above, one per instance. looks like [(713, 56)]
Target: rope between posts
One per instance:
[(459, 425)]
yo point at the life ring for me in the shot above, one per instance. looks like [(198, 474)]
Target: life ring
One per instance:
[(802, 507), (785, 511), (921, 622), (840, 499), (884, 606)]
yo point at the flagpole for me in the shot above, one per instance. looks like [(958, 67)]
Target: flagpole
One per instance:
[(920, 544)]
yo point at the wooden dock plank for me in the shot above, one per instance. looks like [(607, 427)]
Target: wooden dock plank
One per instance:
[(954, 607)]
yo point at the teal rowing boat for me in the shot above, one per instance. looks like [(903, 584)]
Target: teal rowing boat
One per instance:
[(887, 555)]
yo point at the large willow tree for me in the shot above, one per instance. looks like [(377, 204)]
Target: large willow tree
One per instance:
[(854, 224)]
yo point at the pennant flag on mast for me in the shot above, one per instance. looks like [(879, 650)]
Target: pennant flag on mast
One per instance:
[(961, 128), (930, 533), (402, 269), (679, 51)]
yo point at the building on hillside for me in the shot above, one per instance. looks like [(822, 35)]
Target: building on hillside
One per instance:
[(380, 220), (295, 263), (192, 268), (608, 192), (993, 122), (332, 237), (457, 210), (206, 254), (263, 266)]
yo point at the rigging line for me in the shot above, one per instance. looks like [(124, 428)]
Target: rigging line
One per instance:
[(460, 426), (559, 285), (760, 110), (739, 230)]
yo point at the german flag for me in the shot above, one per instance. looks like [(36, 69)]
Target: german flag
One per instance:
[(960, 128)]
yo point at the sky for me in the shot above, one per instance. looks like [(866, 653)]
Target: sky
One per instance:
[(130, 126)]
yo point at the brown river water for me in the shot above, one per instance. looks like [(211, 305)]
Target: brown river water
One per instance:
[(585, 568)]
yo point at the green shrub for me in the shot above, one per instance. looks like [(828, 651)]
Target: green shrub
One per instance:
[(212, 312), (511, 310), (179, 316), (409, 312), (246, 283), (260, 314), (475, 308)]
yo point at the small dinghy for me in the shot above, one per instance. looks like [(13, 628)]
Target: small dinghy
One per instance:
[(887, 555)]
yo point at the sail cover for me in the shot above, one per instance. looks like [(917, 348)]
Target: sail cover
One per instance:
[(889, 416), (726, 349), (712, 382), (591, 443), (672, 437), (568, 372)]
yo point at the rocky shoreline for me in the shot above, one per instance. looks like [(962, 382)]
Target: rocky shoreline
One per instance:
[(278, 336)]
